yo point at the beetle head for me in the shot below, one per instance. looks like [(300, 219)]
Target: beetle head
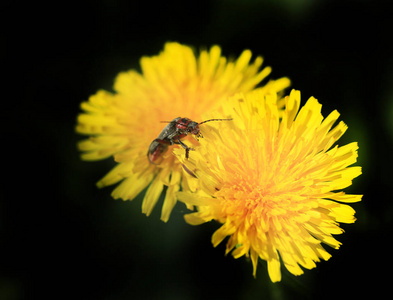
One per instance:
[(193, 128)]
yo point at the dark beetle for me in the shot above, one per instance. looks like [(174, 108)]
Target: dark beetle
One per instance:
[(172, 134)]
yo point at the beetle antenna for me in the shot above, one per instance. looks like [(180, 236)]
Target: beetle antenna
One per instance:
[(215, 120)]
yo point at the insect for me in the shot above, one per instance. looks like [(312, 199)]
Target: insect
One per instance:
[(172, 134)]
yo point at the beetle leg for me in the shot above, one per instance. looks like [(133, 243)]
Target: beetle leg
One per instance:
[(185, 147)]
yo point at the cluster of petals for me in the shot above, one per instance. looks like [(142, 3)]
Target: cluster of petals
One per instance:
[(271, 177), (174, 83)]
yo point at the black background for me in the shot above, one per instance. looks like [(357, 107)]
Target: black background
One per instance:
[(63, 238)]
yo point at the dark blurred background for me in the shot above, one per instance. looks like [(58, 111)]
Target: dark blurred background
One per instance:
[(63, 238)]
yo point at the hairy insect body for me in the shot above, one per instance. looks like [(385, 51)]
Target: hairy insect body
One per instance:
[(157, 147), (172, 133)]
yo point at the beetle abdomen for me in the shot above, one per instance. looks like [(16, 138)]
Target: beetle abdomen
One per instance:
[(155, 151)]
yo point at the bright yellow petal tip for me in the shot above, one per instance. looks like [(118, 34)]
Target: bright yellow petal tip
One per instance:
[(177, 82), (274, 178)]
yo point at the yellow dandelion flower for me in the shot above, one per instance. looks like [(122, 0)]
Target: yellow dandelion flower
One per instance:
[(273, 179), (173, 84)]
